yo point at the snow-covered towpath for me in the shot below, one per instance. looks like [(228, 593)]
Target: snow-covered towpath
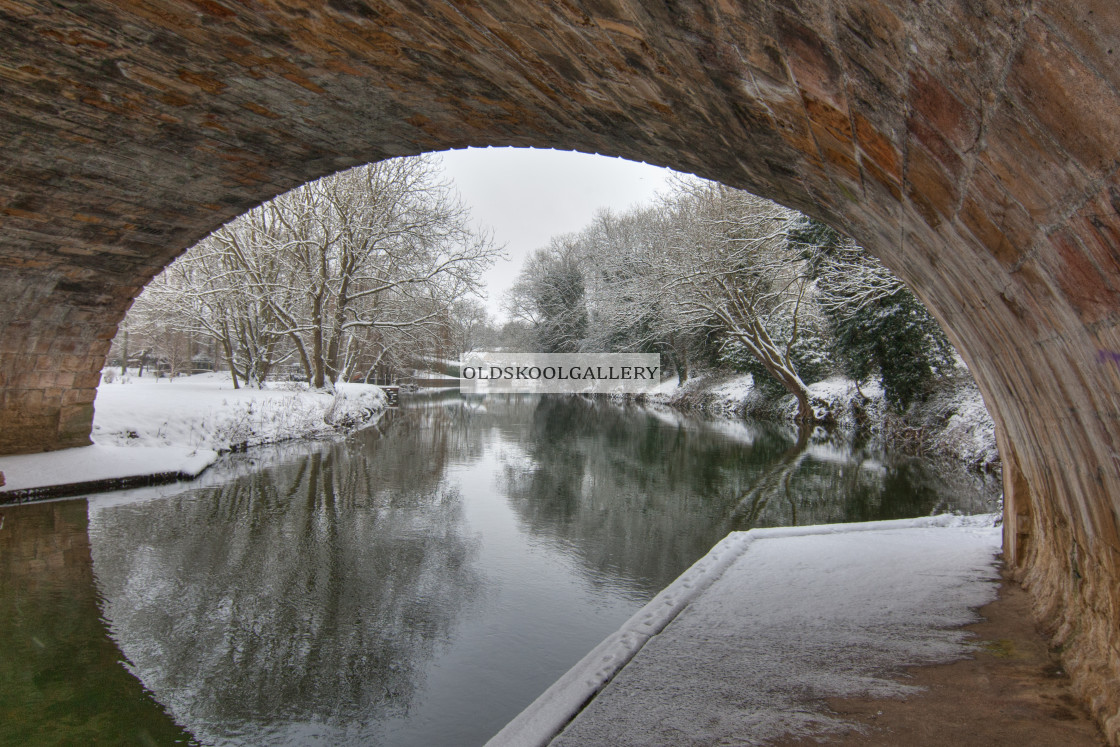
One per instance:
[(746, 645), (145, 427)]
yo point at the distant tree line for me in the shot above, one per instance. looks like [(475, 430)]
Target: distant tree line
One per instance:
[(719, 278), (368, 269)]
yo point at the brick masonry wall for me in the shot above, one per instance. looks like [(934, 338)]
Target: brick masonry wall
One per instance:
[(974, 145)]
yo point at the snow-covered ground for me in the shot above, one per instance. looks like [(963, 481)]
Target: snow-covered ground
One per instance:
[(966, 429), (954, 421), (100, 463), (747, 644), (205, 412), (149, 426)]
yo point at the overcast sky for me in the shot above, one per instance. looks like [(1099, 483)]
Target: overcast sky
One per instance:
[(526, 196)]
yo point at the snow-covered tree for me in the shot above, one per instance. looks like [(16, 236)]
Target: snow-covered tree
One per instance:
[(549, 297), (160, 331), (877, 323), (207, 289), (334, 274), (383, 246), (728, 265), (470, 324), (709, 262)]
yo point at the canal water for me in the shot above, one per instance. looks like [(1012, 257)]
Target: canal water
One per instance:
[(418, 583)]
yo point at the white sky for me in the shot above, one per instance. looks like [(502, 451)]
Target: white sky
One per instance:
[(526, 196)]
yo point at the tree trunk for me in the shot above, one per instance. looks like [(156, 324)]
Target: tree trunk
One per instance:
[(228, 351), (265, 362), (805, 412), (795, 386), (334, 349), (319, 380), (680, 357), (303, 358), (764, 350)]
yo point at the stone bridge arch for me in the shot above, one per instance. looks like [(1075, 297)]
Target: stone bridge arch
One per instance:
[(974, 145)]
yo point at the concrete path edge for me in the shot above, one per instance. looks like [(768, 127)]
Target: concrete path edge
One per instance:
[(544, 718)]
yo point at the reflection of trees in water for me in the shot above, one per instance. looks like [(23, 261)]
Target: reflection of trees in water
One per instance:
[(827, 483), (638, 498), (772, 483), (303, 602), (309, 595), (632, 496)]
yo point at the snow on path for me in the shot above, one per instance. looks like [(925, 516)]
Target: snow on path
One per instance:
[(746, 645), (96, 463), (148, 426)]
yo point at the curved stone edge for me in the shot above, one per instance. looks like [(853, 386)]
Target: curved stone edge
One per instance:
[(548, 715), (69, 490)]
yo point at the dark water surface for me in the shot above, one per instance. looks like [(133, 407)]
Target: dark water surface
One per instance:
[(417, 584)]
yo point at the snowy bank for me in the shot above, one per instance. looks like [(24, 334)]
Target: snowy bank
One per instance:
[(952, 423), (166, 429), (205, 412)]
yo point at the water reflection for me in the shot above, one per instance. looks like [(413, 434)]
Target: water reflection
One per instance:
[(298, 605), (642, 493), (424, 580)]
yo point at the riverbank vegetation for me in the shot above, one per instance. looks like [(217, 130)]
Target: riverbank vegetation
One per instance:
[(203, 411), (372, 271), (758, 310)]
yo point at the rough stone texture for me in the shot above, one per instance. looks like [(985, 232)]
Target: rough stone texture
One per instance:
[(974, 145)]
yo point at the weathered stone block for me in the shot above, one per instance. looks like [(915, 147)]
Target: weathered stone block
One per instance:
[(1089, 291), (879, 148), (1092, 28), (88, 380), (79, 397), (932, 192), (996, 219), (1031, 167), (950, 118), (1073, 103)]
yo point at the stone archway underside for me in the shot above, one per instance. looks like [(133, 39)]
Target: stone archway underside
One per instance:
[(974, 145)]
